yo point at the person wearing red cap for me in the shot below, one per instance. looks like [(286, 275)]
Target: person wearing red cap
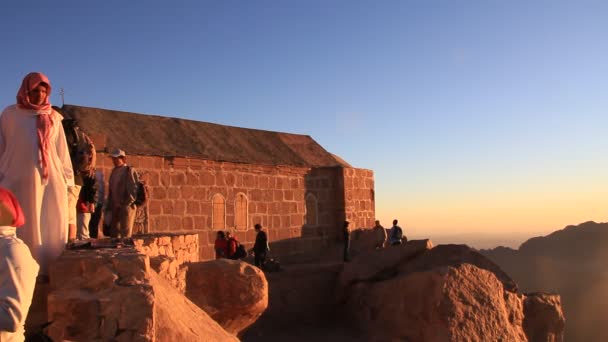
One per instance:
[(18, 271), (35, 165)]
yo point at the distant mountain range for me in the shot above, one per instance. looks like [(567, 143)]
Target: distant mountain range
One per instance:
[(479, 240), (572, 262)]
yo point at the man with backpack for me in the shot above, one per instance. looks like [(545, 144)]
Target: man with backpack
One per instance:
[(396, 235), (122, 196)]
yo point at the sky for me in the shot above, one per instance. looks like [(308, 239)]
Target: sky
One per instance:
[(481, 117)]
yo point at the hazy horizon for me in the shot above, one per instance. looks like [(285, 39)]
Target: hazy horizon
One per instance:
[(480, 240)]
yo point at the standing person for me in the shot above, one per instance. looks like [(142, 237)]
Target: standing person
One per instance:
[(260, 247), (396, 235), (346, 232), (18, 271), (85, 204), (221, 245), (101, 197), (380, 235), (35, 165), (122, 193)]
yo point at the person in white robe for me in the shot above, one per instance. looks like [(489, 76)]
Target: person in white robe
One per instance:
[(35, 165), (18, 271)]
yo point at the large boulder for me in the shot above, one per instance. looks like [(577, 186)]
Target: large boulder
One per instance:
[(363, 240), (544, 318), (233, 292), (377, 264), (446, 293), (113, 295)]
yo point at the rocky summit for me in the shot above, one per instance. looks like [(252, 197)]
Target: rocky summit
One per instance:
[(412, 292)]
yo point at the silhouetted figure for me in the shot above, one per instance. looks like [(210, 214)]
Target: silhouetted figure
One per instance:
[(260, 247), (346, 232), (380, 235), (396, 235)]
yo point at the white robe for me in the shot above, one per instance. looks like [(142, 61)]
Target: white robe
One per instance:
[(18, 272), (44, 204)]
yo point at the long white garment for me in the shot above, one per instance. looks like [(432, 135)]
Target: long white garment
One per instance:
[(44, 203), (18, 272)]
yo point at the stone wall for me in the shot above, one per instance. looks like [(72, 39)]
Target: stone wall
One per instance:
[(183, 247), (359, 197), (170, 254), (182, 189)]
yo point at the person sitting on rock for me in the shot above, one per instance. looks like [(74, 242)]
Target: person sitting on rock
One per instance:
[(18, 270), (233, 244), (396, 235), (221, 245), (380, 235)]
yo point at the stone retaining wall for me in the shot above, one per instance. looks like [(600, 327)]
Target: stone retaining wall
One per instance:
[(170, 254)]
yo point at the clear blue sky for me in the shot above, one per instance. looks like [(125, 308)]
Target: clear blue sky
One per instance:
[(474, 115)]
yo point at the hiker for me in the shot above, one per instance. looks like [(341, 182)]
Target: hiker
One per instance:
[(260, 247), (233, 244), (86, 203), (18, 271), (122, 193), (380, 235), (96, 216), (35, 165), (346, 233), (221, 245), (396, 234)]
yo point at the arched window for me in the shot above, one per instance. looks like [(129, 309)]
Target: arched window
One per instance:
[(218, 216), (311, 210), (240, 208)]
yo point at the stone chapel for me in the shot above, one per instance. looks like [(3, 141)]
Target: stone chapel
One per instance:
[(205, 177)]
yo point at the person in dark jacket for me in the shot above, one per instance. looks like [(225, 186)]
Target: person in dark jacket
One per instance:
[(85, 205), (346, 232), (260, 247)]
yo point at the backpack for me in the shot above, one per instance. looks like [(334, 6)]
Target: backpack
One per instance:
[(240, 252), (398, 234), (142, 191)]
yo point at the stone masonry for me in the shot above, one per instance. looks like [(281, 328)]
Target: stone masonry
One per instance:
[(181, 191)]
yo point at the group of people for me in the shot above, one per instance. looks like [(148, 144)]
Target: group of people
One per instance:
[(49, 200), (227, 246), (394, 237)]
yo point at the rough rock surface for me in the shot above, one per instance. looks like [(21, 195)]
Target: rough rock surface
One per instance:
[(446, 293), (363, 240), (233, 292), (544, 318), (112, 295), (299, 293)]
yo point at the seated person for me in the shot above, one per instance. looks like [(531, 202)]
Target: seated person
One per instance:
[(221, 245)]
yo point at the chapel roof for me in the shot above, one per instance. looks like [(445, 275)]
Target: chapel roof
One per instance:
[(153, 135)]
